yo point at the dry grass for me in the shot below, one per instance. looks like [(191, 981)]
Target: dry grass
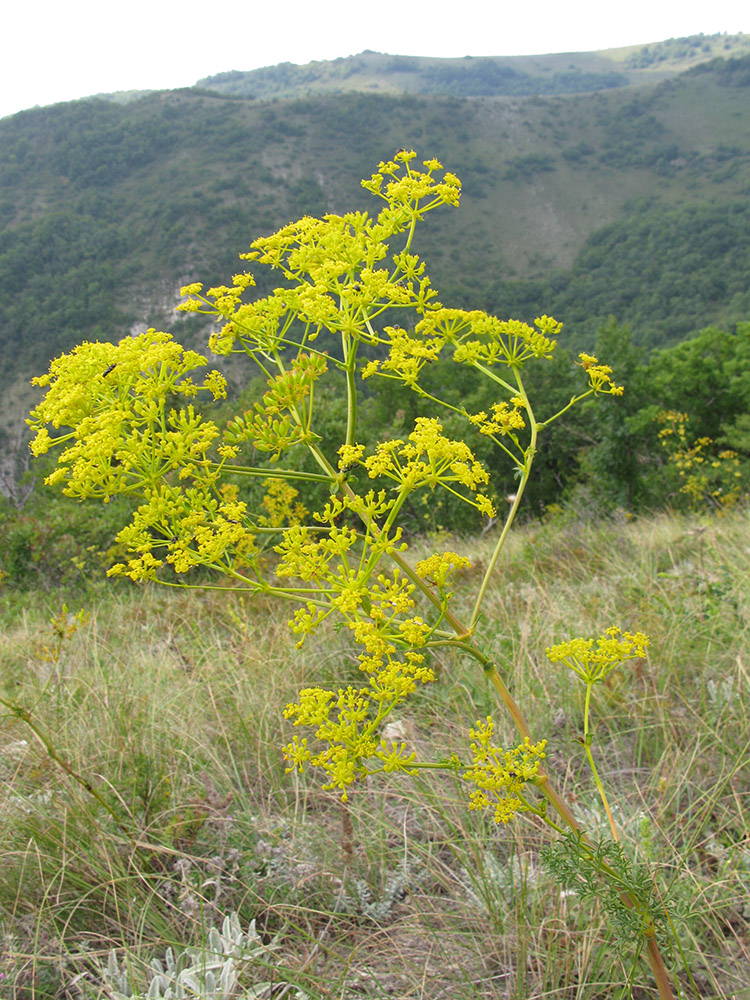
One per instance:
[(170, 703)]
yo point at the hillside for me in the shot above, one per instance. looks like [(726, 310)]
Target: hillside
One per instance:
[(499, 76), (630, 200)]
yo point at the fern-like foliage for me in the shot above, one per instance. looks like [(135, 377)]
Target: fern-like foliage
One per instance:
[(214, 971)]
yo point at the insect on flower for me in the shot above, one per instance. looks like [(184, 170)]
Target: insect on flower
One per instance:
[(109, 369)]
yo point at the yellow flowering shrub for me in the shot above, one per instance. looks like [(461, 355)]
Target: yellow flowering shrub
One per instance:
[(709, 478), (113, 412), (352, 301)]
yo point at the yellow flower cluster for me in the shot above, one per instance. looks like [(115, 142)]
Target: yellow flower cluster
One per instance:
[(350, 455), (391, 677), (347, 722), (429, 459), (283, 416), (505, 418), (599, 376), (709, 478), (185, 527), (593, 659), (407, 191), (341, 275), (479, 338), (225, 297), (436, 569), (124, 440), (406, 358), (500, 775), (332, 264), (306, 553), (280, 504), (344, 578), (114, 397)]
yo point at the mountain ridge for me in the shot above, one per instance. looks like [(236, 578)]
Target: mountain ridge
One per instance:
[(480, 76), (633, 64)]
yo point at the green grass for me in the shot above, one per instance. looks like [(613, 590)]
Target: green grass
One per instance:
[(169, 704)]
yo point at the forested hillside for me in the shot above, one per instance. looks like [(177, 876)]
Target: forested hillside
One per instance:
[(629, 201)]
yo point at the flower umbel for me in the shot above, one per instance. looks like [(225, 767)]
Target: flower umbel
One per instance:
[(593, 659), (500, 775), (349, 720)]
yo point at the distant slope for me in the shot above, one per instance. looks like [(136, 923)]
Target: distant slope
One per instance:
[(496, 76), (582, 204)]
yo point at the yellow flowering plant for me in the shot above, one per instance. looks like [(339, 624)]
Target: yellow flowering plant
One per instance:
[(354, 302), (709, 478), (592, 661)]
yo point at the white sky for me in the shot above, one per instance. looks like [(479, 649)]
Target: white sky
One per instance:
[(58, 50)]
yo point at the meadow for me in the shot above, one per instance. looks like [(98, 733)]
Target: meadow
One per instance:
[(165, 805)]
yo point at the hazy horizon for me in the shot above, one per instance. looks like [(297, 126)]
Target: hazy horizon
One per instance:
[(83, 49)]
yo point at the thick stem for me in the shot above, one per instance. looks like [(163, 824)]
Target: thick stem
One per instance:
[(660, 973), (557, 802), (509, 702)]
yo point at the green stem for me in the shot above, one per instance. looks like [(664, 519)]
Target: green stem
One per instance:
[(248, 470), (410, 237), (498, 549), (597, 780), (317, 454), (529, 458), (350, 357), (495, 378), (574, 400)]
